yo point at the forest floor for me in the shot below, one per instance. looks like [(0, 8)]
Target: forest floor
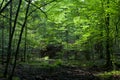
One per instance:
[(34, 72), (27, 72), (59, 73)]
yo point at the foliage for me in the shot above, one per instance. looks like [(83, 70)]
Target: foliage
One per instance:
[(86, 29), (108, 75), (45, 63)]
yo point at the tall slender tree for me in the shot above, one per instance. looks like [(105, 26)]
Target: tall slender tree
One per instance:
[(11, 36), (25, 44), (2, 56), (108, 44), (19, 41)]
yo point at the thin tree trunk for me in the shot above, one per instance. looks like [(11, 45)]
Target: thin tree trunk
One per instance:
[(116, 35), (23, 56), (25, 46), (11, 36), (18, 45), (1, 10), (67, 52), (108, 46), (2, 56)]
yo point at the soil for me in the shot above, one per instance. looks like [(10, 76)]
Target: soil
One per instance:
[(60, 73), (33, 72)]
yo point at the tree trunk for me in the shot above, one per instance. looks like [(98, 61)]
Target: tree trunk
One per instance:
[(20, 38), (108, 46), (25, 46), (11, 36), (2, 56)]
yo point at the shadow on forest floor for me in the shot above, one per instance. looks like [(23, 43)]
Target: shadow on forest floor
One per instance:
[(27, 72), (33, 72), (59, 73)]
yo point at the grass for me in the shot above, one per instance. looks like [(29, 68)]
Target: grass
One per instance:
[(44, 62), (107, 75)]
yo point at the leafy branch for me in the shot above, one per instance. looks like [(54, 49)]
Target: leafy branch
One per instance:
[(39, 7), (5, 6)]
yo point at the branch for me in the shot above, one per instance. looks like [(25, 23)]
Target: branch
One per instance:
[(10, 40), (9, 18), (51, 7), (5, 6), (19, 41), (39, 7), (36, 9), (117, 30), (1, 3)]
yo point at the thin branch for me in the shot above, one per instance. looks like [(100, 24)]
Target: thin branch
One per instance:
[(1, 3), (51, 7), (20, 37), (43, 4), (11, 38), (39, 7), (5, 6), (36, 9), (118, 21), (117, 30), (9, 18)]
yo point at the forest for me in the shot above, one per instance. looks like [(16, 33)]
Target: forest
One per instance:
[(59, 40)]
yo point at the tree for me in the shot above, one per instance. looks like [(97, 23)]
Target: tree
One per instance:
[(11, 38), (108, 47)]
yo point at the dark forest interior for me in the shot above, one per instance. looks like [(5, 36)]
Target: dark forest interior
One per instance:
[(59, 39)]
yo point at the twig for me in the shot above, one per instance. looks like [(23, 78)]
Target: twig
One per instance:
[(39, 7), (1, 3), (5, 6)]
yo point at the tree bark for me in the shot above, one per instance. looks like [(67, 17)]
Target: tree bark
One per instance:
[(2, 56), (11, 36), (108, 46), (25, 46), (18, 45), (5, 6)]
